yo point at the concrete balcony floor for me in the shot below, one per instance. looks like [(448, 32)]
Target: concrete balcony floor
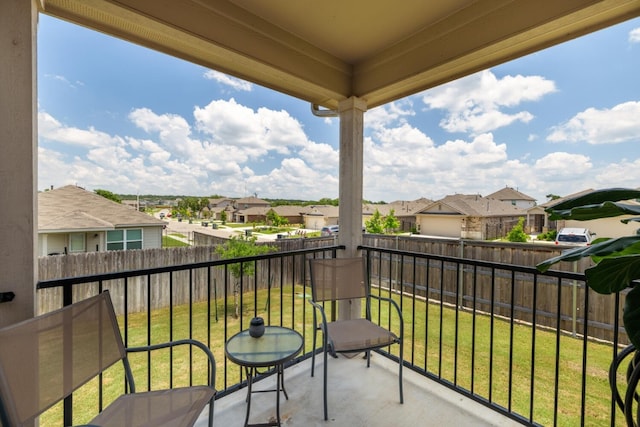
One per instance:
[(358, 397)]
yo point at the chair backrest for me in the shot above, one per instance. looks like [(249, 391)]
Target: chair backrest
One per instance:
[(46, 358), (337, 279)]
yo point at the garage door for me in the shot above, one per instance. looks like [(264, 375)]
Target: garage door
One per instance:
[(443, 227)]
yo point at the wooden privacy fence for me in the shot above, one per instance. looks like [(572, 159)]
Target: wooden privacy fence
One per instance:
[(502, 292), (154, 290), (508, 292)]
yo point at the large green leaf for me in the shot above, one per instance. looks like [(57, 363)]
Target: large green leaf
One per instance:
[(587, 212), (603, 248), (612, 275), (597, 197), (631, 316)]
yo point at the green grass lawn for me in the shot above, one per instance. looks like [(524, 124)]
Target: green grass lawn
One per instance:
[(452, 361), (170, 242)]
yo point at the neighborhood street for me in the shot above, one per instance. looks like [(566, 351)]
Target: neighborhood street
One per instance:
[(184, 228)]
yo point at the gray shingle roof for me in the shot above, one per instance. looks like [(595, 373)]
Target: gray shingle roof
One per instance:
[(509, 193), (472, 205), (73, 208)]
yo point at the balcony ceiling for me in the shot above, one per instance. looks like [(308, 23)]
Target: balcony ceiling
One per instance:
[(326, 51)]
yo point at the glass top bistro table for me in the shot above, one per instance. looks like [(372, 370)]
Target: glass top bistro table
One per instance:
[(277, 346)]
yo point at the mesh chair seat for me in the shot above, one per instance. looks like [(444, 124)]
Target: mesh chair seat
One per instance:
[(46, 358), (342, 280), (179, 407), (358, 334)]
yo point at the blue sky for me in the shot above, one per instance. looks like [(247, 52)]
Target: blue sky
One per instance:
[(119, 117)]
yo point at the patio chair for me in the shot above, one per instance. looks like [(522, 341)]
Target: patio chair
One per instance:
[(46, 358), (343, 279)]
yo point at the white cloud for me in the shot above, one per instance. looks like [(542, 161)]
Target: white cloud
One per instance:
[(226, 80), (253, 132), (474, 104), (606, 126), (405, 162), (395, 112), (320, 156), (228, 147), (234, 140), (634, 35), (64, 80), (563, 166), (51, 129), (625, 173)]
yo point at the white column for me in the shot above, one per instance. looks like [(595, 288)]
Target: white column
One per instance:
[(18, 162), (351, 171)]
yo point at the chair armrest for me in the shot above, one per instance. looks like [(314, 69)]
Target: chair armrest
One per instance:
[(396, 306), (320, 308), (191, 342)]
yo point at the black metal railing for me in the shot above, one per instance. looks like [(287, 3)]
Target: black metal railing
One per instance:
[(202, 301), (534, 347)]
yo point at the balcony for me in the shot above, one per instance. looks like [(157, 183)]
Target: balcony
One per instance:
[(358, 397), (490, 343)]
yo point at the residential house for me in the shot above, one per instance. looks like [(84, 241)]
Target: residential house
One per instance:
[(218, 205), (71, 219), (404, 211), (468, 216), (241, 207), (535, 219), (513, 196), (320, 216), (254, 214), (602, 227), (293, 214)]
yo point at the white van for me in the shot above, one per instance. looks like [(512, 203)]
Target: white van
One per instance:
[(574, 237)]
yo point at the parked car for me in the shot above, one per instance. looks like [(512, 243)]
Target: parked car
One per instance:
[(574, 237), (329, 230)]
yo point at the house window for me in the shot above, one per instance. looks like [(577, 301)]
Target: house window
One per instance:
[(77, 242), (118, 240)]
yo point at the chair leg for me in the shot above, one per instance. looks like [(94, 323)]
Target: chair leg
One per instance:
[(211, 411), (324, 388), (313, 351), (400, 360)]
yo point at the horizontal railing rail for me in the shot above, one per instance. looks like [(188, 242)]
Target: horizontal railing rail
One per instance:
[(518, 341), (214, 306), (534, 347)]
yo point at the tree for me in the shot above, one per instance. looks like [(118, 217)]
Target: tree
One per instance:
[(223, 217), (276, 220), (239, 247), (374, 225), (109, 195), (517, 233), (391, 223)]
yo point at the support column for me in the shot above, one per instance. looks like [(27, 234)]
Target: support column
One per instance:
[(351, 170), (18, 162)]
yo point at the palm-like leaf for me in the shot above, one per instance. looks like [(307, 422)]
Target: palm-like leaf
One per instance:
[(597, 197), (631, 316), (618, 260), (612, 275), (594, 211), (612, 247)]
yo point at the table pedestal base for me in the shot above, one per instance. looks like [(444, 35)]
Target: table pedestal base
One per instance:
[(251, 372)]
